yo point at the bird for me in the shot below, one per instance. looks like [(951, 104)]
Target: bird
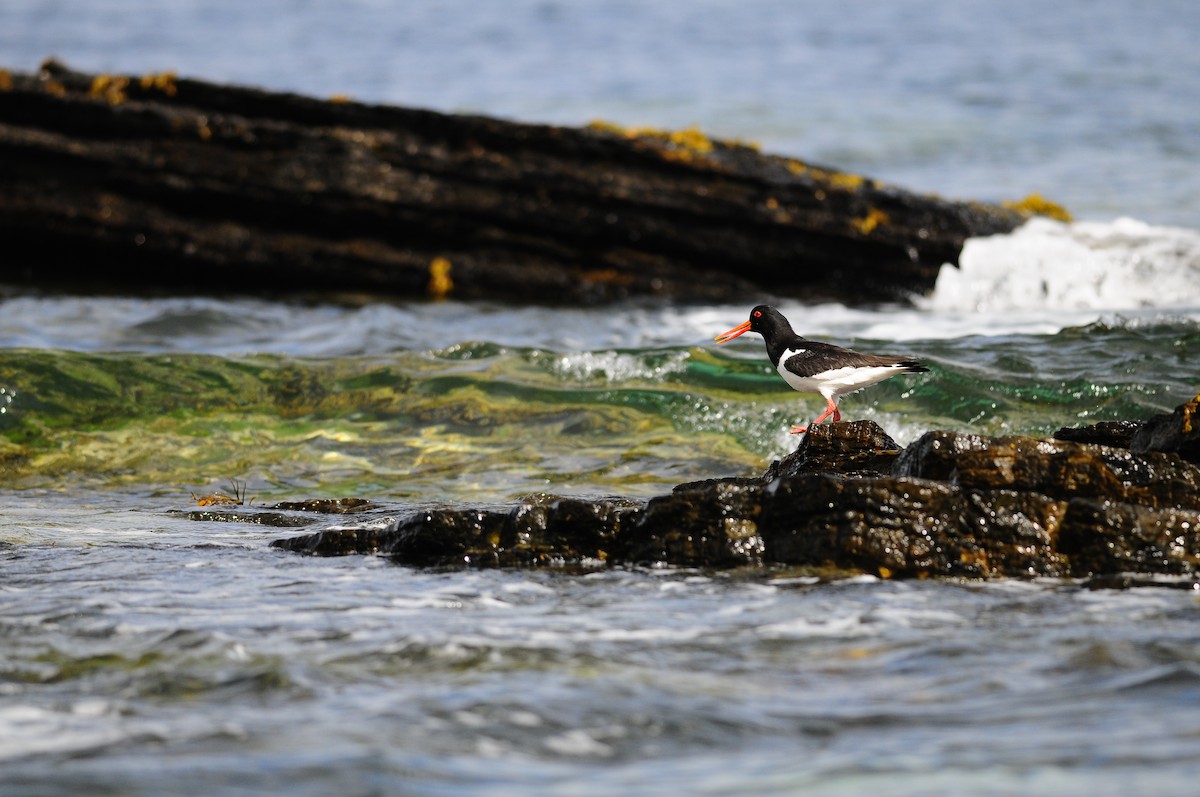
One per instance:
[(811, 366)]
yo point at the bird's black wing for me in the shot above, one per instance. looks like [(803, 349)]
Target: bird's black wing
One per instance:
[(818, 357)]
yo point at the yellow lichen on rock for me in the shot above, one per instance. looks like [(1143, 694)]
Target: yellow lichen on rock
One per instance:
[(1037, 205), (110, 88), (6, 83), (340, 99), (1189, 413), (796, 167), (690, 139), (873, 219), (163, 81), (601, 126), (843, 181), (440, 283)]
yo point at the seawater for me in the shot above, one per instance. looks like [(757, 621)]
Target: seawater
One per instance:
[(146, 653), (219, 667)]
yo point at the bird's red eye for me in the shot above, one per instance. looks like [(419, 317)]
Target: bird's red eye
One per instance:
[(758, 313)]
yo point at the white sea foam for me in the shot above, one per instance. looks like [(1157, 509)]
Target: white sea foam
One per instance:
[(1050, 265), (613, 366), (32, 730)]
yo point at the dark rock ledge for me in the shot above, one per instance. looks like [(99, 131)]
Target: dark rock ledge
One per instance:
[(1114, 500), (160, 184)]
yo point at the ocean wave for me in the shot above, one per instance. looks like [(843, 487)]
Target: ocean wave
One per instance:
[(1054, 266), (505, 420), (615, 366)]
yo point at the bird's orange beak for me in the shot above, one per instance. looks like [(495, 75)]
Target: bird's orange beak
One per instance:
[(725, 337)]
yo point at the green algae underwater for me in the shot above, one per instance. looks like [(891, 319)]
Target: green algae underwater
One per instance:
[(487, 421)]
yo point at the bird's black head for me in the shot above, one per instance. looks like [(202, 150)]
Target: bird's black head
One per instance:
[(761, 317), (765, 320)]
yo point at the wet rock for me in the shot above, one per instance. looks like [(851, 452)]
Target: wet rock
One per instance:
[(856, 448), (327, 506), (712, 524), (882, 526), (277, 519), (1056, 468), (445, 536), (561, 530), (1189, 582), (1117, 434), (1105, 537), (1010, 533), (904, 527), (848, 500), (544, 531), (333, 542), (1178, 432)]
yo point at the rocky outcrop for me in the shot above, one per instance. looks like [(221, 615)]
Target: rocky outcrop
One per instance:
[(848, 499), (161, 184), (1054, 468)]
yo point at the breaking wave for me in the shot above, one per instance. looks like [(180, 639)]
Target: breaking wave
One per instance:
[(1048, 265)]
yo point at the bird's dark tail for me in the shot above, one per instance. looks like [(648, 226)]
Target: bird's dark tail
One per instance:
[(912, 366)]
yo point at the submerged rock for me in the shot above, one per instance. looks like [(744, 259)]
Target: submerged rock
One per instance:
[(1102, 502)]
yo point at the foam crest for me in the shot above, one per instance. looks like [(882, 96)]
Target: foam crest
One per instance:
[(1120, 265)]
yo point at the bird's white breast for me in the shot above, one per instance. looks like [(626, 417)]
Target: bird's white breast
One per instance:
[(837, 381)]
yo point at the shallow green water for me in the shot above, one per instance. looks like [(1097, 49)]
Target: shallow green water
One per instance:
[(485, 420)]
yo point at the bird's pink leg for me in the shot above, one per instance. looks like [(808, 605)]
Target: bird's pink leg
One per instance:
[(829, 410)]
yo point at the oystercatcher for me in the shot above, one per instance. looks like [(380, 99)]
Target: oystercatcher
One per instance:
[(814, 367)]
